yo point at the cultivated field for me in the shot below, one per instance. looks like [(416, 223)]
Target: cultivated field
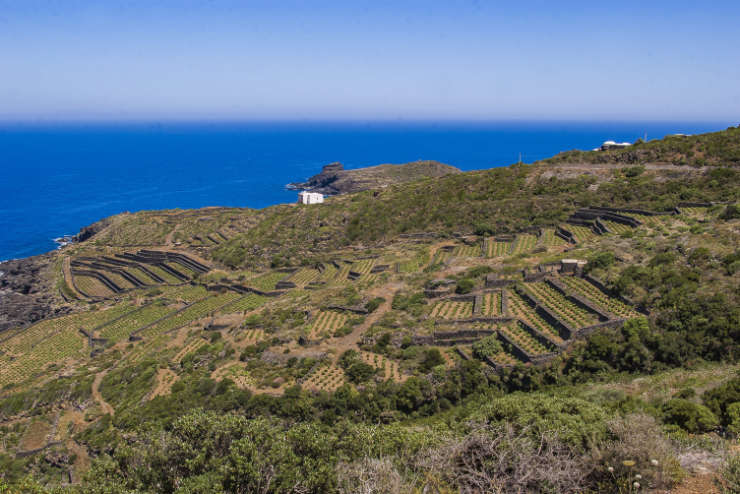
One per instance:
[(448, 309)]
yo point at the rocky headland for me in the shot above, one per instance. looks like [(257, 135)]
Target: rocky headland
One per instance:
[(334, 179)]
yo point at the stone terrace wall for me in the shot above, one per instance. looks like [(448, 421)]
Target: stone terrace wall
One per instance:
[(541, 338), (563, 328), (565, 235)]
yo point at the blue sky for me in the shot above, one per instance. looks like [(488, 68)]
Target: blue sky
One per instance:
[(425, 60)]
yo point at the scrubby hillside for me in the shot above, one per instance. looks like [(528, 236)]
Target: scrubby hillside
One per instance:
[(533, 328), (713, 149)]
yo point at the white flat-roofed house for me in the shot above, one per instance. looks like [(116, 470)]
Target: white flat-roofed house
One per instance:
[(614, 145), (306, 197), (572, 266)]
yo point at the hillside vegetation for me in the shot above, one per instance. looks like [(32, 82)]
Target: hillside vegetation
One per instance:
[(490, 331), (713, 149)]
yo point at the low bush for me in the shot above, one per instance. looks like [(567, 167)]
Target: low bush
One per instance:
[(373, 304), (465, 285), (691, 417)]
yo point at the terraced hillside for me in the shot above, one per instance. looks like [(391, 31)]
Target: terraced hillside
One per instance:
[(381, 304)]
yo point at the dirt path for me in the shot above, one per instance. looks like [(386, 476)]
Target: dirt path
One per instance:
[(67, 273), (699, 484), (104, 405), (387, 291), (165, 379), (168, 239)]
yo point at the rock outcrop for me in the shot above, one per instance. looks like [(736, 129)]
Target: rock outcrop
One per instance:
[(26, 291)]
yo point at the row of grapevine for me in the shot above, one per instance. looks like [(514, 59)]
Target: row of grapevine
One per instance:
[(327, 321), (142, 275), (519, 308), (329, 274), (448, 309), (525, 242), (165, 275), (550, 239), (613, 305), (342, 273), (495, 248), (246, 303), (441, 257), (304, 276), (523, 339), (363, 266), (645, 219), (50, 341), (503, 358), (120, 329), (467, 251), (388, 369), (582, 233), (492, 304), (266, 282), (618, 228), (371, 278), (194, 312), (192, 346), (556, 301), (91, 287), (253, 336), (152, 346), (325, 378), (184, 293)]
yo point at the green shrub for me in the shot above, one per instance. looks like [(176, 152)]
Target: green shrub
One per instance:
[(432, 358), (359, 372), (720, 398), (601, 260), (373, 304), (465, 285), (634, 171), (486, 347), (690, 416), (733, 417)]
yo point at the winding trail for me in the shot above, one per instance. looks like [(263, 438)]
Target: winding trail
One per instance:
[(104, 405)]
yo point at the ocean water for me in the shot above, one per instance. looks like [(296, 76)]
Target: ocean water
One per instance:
[(55, 179)]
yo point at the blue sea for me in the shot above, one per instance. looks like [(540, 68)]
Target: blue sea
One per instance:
[(55, 179)]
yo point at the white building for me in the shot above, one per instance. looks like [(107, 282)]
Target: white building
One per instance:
[(306, 197), (614, 145)]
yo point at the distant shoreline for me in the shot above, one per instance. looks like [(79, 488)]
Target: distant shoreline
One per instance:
[(94, 170)]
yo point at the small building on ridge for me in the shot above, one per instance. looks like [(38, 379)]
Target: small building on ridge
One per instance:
[(306, 197)]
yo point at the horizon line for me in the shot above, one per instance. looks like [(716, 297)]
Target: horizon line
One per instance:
[(162, 121)]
